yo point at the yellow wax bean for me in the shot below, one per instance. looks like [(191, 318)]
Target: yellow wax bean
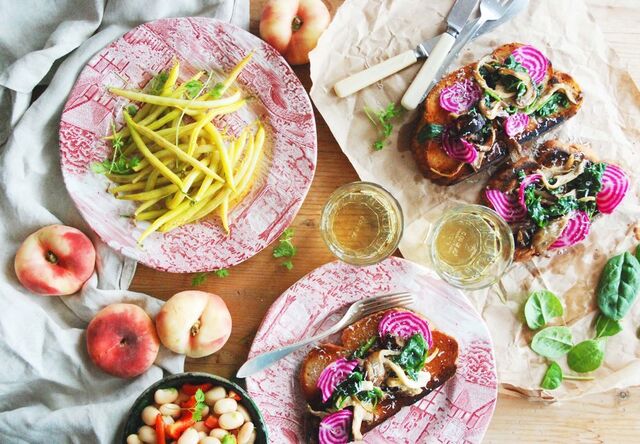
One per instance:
[(171, 101), (153, 194), (224, 155), (147, 215)]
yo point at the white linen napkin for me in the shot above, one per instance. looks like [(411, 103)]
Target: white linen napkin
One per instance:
[(49, 389)]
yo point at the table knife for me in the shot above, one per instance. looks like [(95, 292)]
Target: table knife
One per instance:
[(375, 73), (457, 18)]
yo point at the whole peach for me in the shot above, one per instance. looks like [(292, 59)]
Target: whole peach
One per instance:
[(122, 340), (55, 260), (194, 323), (293, 27)]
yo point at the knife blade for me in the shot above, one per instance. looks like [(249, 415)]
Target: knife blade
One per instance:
[(379, 71), (467, 34), (458, 16)]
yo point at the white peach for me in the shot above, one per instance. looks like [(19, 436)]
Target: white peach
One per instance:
[(55, 260), (194, 323)]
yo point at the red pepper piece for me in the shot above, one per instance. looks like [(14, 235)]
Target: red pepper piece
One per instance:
[(211, 422), (176, 429), (160, 439), (189, 403), (191, 389)]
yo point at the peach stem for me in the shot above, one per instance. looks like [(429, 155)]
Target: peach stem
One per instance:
[(51, 257), (195, 328), (296, 24)]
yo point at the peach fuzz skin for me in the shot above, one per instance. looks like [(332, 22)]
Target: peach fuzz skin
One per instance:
[(280, 17), (122, 340), (55, 260), (194, 323)]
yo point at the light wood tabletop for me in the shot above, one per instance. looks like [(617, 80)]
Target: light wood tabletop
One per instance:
[(251, 287)]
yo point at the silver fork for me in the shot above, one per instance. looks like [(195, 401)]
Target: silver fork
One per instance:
[(356, 311), (490, 10)]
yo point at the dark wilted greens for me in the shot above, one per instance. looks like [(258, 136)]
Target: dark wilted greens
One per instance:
[(413, 356)]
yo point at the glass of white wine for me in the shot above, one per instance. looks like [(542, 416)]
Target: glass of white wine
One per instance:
[(470, 246), (361, 223)]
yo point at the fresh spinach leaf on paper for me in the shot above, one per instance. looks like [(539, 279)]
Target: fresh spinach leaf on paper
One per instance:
[(552, 342), (586, 356), (552, 377), (541, 307), (606, 327), (618, 286)]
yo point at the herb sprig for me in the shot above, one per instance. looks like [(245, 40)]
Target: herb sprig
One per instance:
[(200, 278), (118, 163), (382, 120), (285, 248)]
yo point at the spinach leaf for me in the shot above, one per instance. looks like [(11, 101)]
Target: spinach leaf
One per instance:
[(511, 63), (413, 356), (552, 105), (606, 327), (638, 252), (590, 181), (350, 386), (540, 308), (430, 131), (586, 356), (364, 348), (564, 205), (534, 206), (552, 377), (618, 286), (372, 397), (552, 342)]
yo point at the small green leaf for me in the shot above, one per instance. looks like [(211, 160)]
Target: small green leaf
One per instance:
[(364, 348), (430, 131), (193, 88), (552, 342), (382, 120), (198, 279), (222, 273), (216, 91), (606, 327), (586, 356), (288, 264), (228, 439), (285, 249), (157, 83), (541, 307), (638, 252), (132, 110), (200, 404), (552, 378)]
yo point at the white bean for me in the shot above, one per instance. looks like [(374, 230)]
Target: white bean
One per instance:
[(149, 414), (133, 439), (147, 434), (170, 410), (252, 438), (214, 394), (165, 396), (209, 440), (201, 435), (189, 436), (168, 420), (205, 411), (245, 433), (200, 427), (218, 433), (226, 405), (230, 421), (245, 413)]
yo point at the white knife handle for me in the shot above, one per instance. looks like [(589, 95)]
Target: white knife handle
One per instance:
[(369, 76), (414, 94)]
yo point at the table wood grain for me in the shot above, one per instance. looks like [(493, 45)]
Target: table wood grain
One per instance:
[(251, 287)]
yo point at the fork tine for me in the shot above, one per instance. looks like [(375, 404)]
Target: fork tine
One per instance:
[(376, 299), (388, 302), (387, 305)]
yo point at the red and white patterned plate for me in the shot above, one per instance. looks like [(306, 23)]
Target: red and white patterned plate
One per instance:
[(280, 101), (457, 412)]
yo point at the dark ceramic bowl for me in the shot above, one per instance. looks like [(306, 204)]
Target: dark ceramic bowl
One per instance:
[(134, 421)]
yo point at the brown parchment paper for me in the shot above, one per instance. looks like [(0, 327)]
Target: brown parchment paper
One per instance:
[(365, 32)]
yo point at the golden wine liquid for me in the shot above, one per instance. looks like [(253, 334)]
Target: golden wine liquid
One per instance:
[(361, 223), (471, 247)]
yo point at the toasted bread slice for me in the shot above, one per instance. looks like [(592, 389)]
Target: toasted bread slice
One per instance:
[(441, 367), (549, 154), (440, 168)]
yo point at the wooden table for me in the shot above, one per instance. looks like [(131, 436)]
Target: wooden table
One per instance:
[(251, 287)]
